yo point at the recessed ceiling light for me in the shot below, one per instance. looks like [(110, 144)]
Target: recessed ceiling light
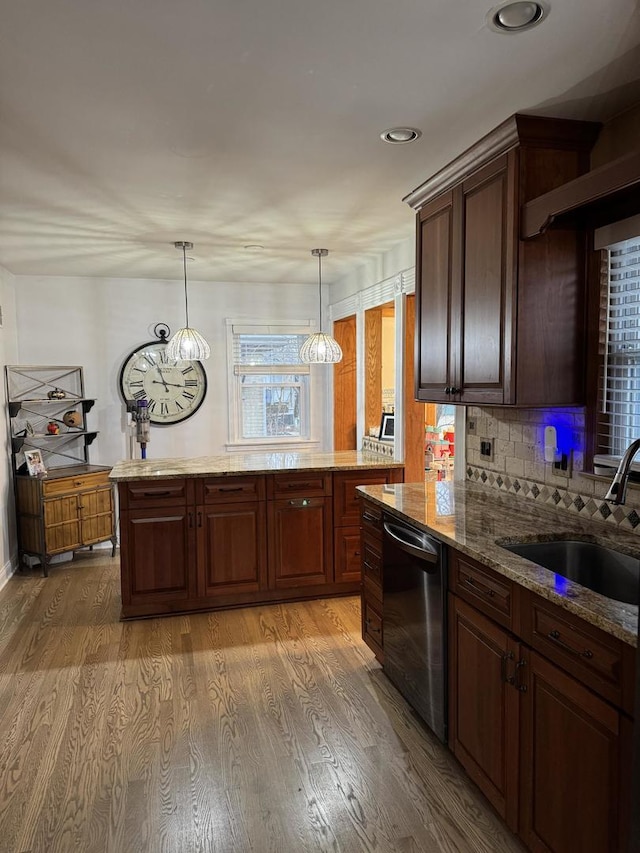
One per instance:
[(254, 247), (514, 17), (401, 135)]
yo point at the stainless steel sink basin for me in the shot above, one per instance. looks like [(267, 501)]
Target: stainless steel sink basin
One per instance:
[(600, 569)]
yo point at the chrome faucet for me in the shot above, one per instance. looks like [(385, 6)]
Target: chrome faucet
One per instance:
[(618, 488)]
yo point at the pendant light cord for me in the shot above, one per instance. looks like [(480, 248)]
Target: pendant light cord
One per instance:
[(186, 296), (320, 287)]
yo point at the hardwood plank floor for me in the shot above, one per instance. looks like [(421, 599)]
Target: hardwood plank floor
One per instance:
[(264, 729)]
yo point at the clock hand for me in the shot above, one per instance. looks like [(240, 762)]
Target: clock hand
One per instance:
[(166, 384), (163, 380)]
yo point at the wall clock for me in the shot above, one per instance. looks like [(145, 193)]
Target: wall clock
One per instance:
[(175, 390)]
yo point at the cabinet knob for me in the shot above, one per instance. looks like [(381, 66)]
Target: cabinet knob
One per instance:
[(447, 389), (454, 390)]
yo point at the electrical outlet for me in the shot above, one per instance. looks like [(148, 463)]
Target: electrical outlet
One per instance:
[(562, 464), (472, 427), (486, 450)]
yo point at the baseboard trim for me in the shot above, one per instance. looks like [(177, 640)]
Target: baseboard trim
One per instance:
[(8, 570)]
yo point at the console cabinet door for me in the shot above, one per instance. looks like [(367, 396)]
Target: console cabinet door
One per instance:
[(232, 548), (157, 555), (571, 764), (300, 542), (484, 705), (96, 514)]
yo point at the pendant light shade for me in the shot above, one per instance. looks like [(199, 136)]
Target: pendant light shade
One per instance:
[(320, 348), (187, 344)]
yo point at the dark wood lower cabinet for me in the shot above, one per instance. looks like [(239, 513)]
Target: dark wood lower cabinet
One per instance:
[(484, 705), (157, 556), (300, 542), (571, 763), (232, 548), (346, 558), (549, 753)]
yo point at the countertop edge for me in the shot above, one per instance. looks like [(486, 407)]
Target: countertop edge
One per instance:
[(598, 620)]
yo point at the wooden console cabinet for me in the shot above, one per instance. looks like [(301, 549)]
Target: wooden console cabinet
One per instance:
[(70, 508), (203, 543)]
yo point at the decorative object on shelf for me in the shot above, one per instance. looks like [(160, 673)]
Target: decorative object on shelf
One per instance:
[(187, 344), (320, 348), (53, 428), (35, 463), (57, 394), (387, 427), (72, 419), (174, 388), (28, 429)]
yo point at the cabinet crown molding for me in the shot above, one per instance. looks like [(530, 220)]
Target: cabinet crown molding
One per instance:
[(518, 130)]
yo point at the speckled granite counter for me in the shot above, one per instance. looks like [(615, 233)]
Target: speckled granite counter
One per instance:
[(247, 463), (473, 519)]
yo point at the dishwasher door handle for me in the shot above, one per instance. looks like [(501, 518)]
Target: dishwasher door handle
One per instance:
[(426, 552)]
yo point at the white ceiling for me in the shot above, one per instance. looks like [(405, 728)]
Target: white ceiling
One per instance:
[(127, 125)]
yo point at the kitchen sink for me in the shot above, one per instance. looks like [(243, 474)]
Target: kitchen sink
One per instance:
[(600, 569)]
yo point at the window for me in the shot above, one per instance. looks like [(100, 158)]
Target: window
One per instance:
[(619, 420), (269, 385)]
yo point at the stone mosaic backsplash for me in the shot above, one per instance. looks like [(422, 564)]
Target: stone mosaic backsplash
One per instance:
[(517, 465)]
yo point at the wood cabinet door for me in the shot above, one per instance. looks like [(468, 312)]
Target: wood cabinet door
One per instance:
[(484, 705), (346, 501), (483, 357), (347, 553), (96, 515), (61, 524), (435, 341), (232, 548), (300, 542), (157, 555), (571, 762)]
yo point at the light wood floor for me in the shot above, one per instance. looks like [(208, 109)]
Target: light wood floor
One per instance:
[(263, 729)]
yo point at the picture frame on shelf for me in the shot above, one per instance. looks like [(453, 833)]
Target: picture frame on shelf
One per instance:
[(387, 427), (35, 463)]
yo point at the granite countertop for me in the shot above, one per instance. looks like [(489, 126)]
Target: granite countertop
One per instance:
[(473, 518), (247, 463)]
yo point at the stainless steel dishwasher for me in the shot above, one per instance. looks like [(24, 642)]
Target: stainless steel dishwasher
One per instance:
[(414, 620)]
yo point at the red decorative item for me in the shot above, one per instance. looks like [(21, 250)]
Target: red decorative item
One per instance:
[(53, 428)]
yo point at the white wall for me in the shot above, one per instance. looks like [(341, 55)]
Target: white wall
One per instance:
[(8, 355), (400, 257), (96, 322)]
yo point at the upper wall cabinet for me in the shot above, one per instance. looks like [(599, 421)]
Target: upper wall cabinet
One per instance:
[(500, 320)]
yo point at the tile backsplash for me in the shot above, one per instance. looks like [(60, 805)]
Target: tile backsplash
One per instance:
[(517, 463)]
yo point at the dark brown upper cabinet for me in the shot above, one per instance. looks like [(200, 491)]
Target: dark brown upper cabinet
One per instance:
[(500, 320)]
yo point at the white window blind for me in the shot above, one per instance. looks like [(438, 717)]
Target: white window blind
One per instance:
[(621, 385), (271, 385)]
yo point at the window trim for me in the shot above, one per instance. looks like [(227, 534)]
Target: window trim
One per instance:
[(265, 327)]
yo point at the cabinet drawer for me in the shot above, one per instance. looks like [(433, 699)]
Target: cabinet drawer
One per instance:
[(64, 485), (153, 493), (372, 632), (299, 484), (599, 660), (488, 592), (371, 518), (231, 489), (371, 559)]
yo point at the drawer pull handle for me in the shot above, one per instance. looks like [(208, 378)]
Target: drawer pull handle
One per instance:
[(199, 519), (299, 485), (77, 482), (300, 502), (156, 494), (370, 626), (480, 587), (230, 488), (190, 519), (555, 636), (356, 553), (368, 517), (518, 684)]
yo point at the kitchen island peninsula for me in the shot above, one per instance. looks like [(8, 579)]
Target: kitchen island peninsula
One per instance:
[(226, 531)]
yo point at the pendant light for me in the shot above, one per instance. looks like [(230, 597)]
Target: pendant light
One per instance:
[(320, 348), (187, 344)]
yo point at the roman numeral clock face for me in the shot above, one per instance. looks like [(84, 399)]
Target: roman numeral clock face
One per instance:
[(174, 390)]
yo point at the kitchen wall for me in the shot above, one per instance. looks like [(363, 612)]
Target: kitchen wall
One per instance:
[(517, 465), (96, 322), (8, 355)]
